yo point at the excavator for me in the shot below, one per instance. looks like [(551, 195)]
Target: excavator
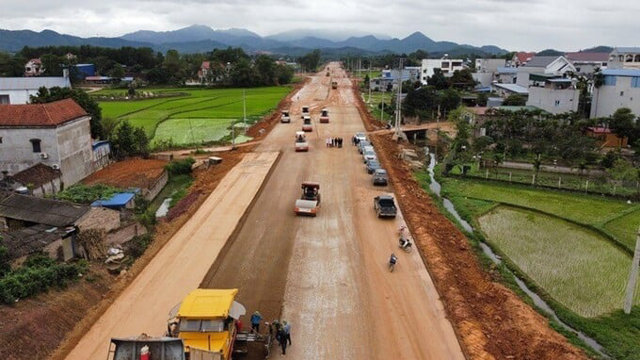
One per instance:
[(204, 326)]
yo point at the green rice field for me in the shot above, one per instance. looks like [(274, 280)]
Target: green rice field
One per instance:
[(211, 111), (576, 266)]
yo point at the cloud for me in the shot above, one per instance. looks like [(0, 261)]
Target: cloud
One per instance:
[(513, 24)]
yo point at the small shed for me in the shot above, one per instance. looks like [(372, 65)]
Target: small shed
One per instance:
[(118, 201)]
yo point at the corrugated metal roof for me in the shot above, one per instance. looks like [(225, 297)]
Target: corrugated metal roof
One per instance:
[(513, 88), (627, 49), (41, 211), (117, 200), (507, 70), (33, 83), (621, 72), (541, 61), (587, 56)]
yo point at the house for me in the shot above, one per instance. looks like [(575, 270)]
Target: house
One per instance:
[(506, 75), (624, 58), (505, 90), (446, 65), (84, 70), (486, 70), (606, 138), (588, 62), (17, 90), (29, 224), (521, 58), (33, 67), (555, 96), (620, 88), (56, 134), (39, 179), (388, 80), (540, 68)]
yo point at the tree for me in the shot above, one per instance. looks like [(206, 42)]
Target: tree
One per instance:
[(52, 64), (310, 61), (462, 79), (623, 170), (622, 123), (5, 263), (482, 99), (11, 66), (141, 142), (123, 142), (265, 70), (421, 102), (449, 100), (515, 100), (242, 74), (438, 80), (83, 99), (284, 74)]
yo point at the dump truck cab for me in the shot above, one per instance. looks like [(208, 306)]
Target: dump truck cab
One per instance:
[(306, 123), (309, 201), (285, 117), (206, 322), (324, 116), (301, 143)]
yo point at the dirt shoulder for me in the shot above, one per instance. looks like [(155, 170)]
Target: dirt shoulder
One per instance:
[(490, 320)]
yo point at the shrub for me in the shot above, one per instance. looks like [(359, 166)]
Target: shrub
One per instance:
[(179, 167)]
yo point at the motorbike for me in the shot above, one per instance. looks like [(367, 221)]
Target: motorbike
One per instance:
[(392, 262), (405, 244)]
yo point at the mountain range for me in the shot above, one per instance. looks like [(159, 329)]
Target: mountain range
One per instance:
[(201, 38)]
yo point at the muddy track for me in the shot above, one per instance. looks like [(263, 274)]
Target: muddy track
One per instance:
[(490, 320)]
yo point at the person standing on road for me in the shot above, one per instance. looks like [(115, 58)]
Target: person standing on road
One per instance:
[(255, 321), (282, 339), (287, 331)]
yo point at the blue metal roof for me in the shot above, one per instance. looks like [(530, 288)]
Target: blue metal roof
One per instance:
[(507, 70), (116, 201), (621, 72)]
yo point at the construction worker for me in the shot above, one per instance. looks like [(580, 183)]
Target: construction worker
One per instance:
[(287, 331), (255, 321), (281, 335)]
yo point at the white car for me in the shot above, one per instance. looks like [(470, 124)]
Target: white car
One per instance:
[(361, 136), (369, 154)]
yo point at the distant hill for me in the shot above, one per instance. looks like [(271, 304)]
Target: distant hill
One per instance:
[(201, 38), (599, 49), (550, 52)]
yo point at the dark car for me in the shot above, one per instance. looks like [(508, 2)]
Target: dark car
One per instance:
[(385, 206), (373, 165), (380, 177)]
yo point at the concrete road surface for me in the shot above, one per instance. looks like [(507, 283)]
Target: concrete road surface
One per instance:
[(327, 275)]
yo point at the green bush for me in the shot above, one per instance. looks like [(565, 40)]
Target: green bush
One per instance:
[(37, 274), (137, 246), (86, 194), (179, 167)]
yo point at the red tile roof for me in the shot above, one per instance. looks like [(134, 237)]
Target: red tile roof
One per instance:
[(205, 65), (587, 56), (523, 57), (599, 130), (50, 114)]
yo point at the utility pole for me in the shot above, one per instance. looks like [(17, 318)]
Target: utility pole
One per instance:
[(244, 109), (369, 101), (398, 99), (633, 276), (382, 112)]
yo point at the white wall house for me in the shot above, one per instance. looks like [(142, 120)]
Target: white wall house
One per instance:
[(545, 66), (586, 62), (557, 96), (447, 66), (487, 70), (624, 58), (16, 90), (56, 134), (621, 88)]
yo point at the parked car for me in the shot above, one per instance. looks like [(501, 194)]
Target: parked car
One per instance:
[(380, 177), (369, 154), (361, 136), (373, 165), (362, 144), (385, 206)]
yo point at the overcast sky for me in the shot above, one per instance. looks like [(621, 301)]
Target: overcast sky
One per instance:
[(511, 24)]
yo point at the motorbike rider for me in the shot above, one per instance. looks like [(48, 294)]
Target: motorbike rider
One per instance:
[(393, 259), (404, 242)]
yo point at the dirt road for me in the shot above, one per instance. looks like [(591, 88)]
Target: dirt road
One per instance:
[(181, 264), (327, 275)]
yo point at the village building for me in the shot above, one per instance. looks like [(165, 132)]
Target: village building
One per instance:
[(606, 138), (446, 65), (555, 96), (620, 88), (56, 134), (625, 58), (18, 90), (587, 63)]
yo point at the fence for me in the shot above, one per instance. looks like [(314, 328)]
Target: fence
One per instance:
[(598, 184)]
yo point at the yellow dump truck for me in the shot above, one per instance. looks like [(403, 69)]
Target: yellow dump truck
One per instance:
[(203, 326)]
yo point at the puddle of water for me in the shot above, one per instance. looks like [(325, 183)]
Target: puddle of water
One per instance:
[(537, 300)]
